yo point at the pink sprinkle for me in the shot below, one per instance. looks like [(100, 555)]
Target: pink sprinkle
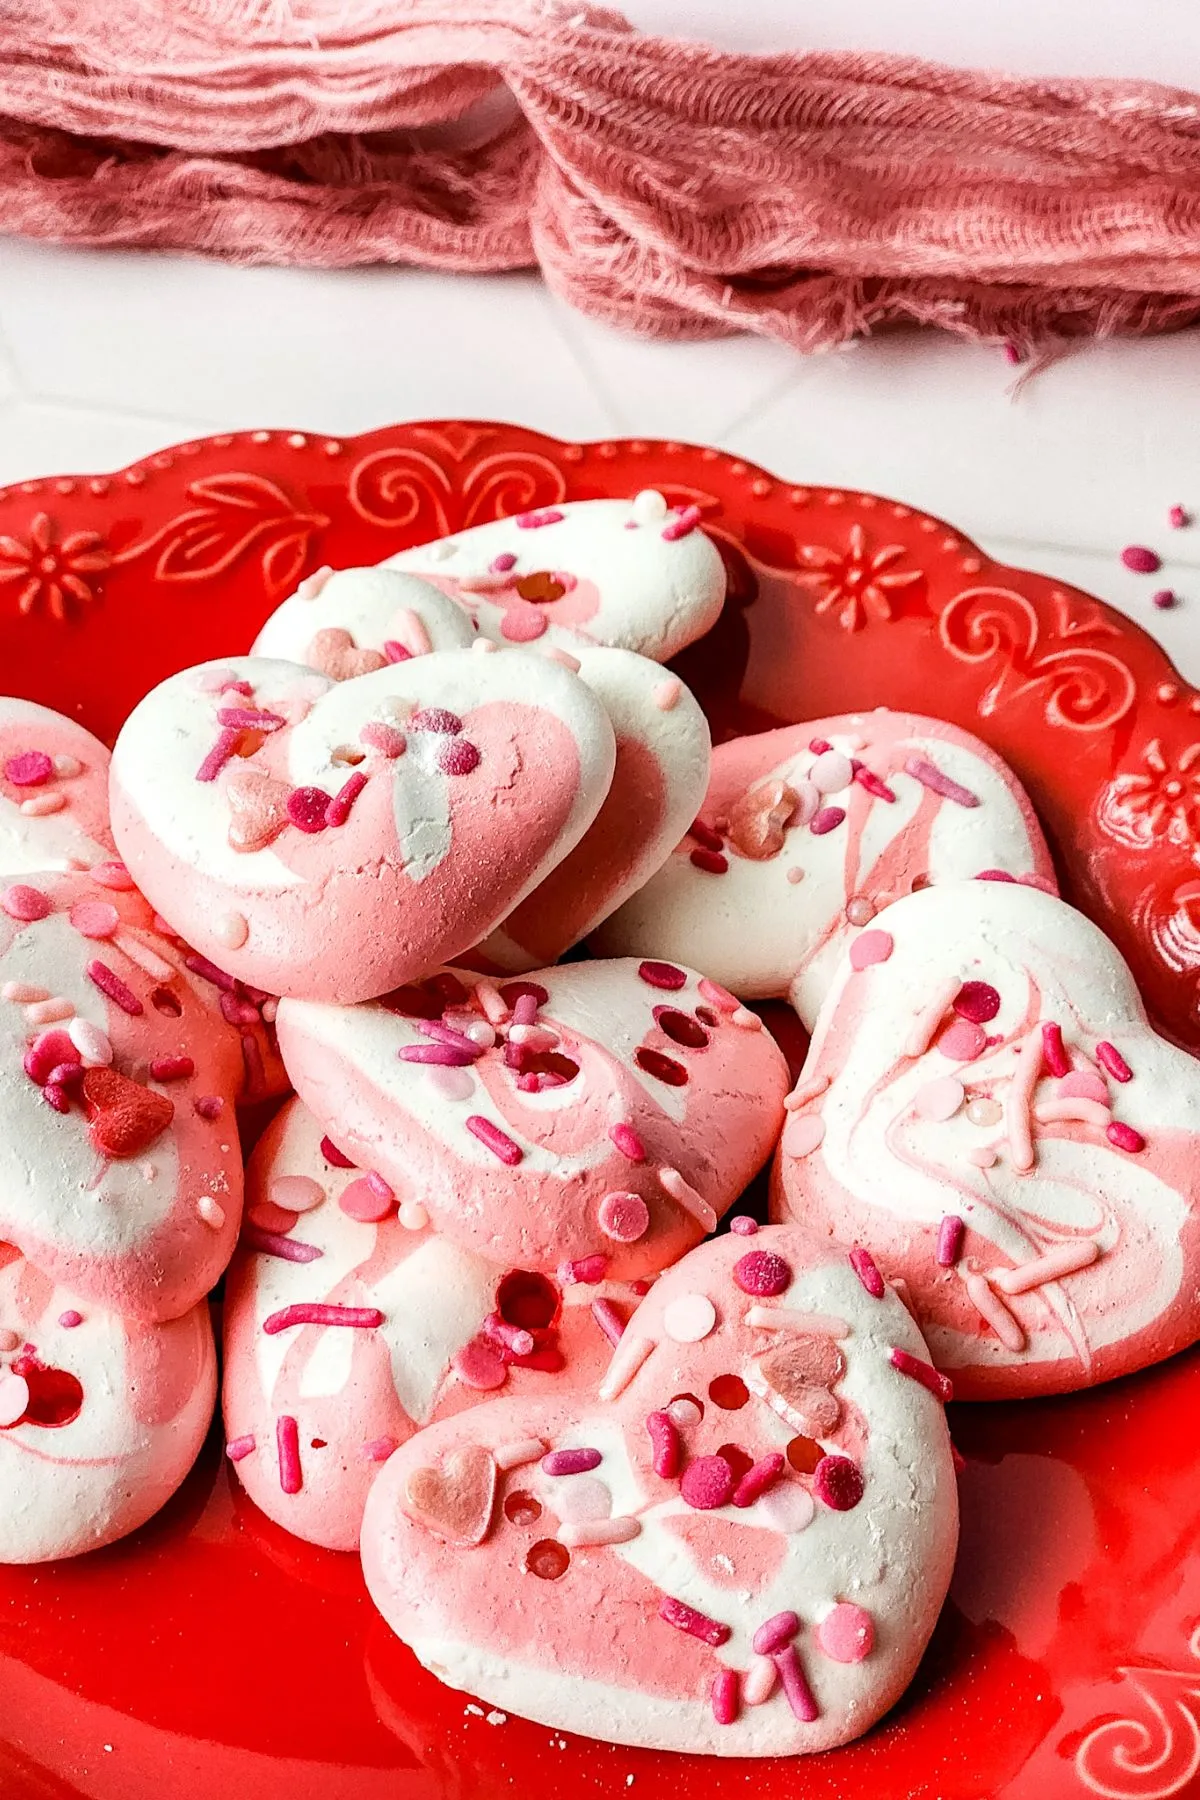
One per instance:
[(682, 525), (937, 783), (111, 984), (609, 1320), (742, 1225), (208, 971), (865, 1267), (362, 1201), (436, 718), (95, 918), (977, 1001), (47, 1051), (533, 521), (1177, 518), (332, 1154), (1083, 1084), (395, 651), (711, 861), (1125, 1137), (1054, 1051), (379, 1449), (763, 1274), (623, 1216), (726, 1696), (480, 1365), (828, 819), (628, 1142), (846, 1634), (171, 1068), (872, 783), (1111, 1059), (585, 1269), (287, 1437), (949, 1240), (209, 1106), (792, 1680), (338, 810), (25, 903), (871, 947), (1141, 559), (70, 1319), (995, 875), (112, 875), (571, 1462), (1164, 599), (1012, 352), (513, 1337), (238, 1447), (39, 806), (962, 1041), (29, 769), (500, 565), (923, 1372), (446, 1056), (244, 718), (459, 757), (56, 1097), (819, 746), (662, 975), (311, 1312), (385, 738), (523, 624), (707, 1483), (696, 1624), (666, 1448), (308, 808), (497, 1141), (65, 1075), (758, 1478), (272, 1243), (219, 755), (777, 1632), (838, 1482), (238, 1012)]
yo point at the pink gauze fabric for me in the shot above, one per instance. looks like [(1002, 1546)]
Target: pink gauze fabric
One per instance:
[(660, 185)]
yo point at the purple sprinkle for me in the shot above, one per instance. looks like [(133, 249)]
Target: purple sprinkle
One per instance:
[(682, 525), (937, 783), (238, 1012), (872, 783), (949, 1240), (571, 1462), (533, 521), (381, 1189), (1164, 599), (525, 1009), (828, 819), (271, 1243), (209, 1106), (446, 1034), (865, 1267)]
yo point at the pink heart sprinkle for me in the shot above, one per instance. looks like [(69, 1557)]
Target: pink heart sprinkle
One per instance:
[(523, 623)]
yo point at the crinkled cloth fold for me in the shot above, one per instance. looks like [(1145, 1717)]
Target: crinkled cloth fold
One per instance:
[(664, 186)]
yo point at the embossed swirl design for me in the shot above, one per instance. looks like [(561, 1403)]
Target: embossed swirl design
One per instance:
[(1156, 1755), (1085, 688)]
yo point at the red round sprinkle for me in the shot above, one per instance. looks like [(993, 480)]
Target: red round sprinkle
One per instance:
[(46, 1053), (707, 1483), (662, 975), (680, 1027), (663, 1068), (1141, 559), (838, 1482), (711, 861), (435, 718), (762, 1273), (459, 757), (307, 808), (977, 1001), (29, 769)]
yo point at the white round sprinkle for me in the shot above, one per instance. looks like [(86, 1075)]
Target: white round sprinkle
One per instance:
[(412, 1215), (689, 1318), (67, 766), (649, 507), (93, 1045), (232, 930), (831, 772), (211, 1212)]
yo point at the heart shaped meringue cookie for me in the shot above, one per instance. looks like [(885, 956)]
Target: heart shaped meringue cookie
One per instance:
[(807, 832), (637, 575), (349, 1322), (986, 1109), (610, 1110), (670, 1562), (333, 839), (120, 1172), (53, 792), (100, 1418), (348, 622)]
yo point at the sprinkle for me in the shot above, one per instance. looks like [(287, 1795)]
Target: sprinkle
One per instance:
[(23, 993), (239, 1447), (666, 1448), (1140, 559), (939, 1100), (219, 755), (516, 1454), (1110, 1058), (726, 1696), (1125, 1137), (412, 1215), (717, 996), (778, 1631), (513, 1337), (1072, 1111), (796, 1689), (649, 507), (760, 1681), (685, 1195), (939, 1385), (689, 1318), (758, 1478), (42, 805), (458, 757), (705, 836), (112, 875), (712, 862), (70, 1319), (308, 809), (623, 1216), (828, 819), (1163, 598), (110, 983), (860, 911), (370, 1202), (1019, 1098), (211, 1212), (585, 1269), (238, 1012), (831, 772), (287, 1437), (682, 525), (742, 1225), (14, 1397), (838, 1482), (271, 1243), (627, 1142), (931, 777), (436, 719), (977, 1001), (29, 769), (745, 1020), (480, 1365), (500, 565), (245, 718), (846, 1634), (385, 738), (50, 1012), (930, 1017), (599, 1531), (665, 694), (805, 1091), (208, 971), (534, 521), (1177, 518), (497, 1141), (696, 1624), (332, 1154), (1057, 1060), (873, 784), (56, 1097), (1064, 1259), (28, 904), (865, 1267), (628, 1358), (306, 1312), (991, 1308), (67, 767), (985, 1111), (339, 807), (763, 1274), (448, 1056), (557, 654), (209, 1106), (949, 1240), (143, 959), (571, 1462)]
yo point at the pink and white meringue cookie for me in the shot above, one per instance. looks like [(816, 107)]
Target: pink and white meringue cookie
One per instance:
[(738, 1545), (987, 1110), (53, 791), (100, 1418), (609, 1110), (331, 839), (663, 749), (635, 574), (120, 1170), (806, 832), (349, 1323), (348, 622)]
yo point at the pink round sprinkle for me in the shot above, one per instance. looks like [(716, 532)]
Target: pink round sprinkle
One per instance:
[(777, 1632), (628, 1142), (1110, 1058), (707, 1483), (1125, 1137), (48, 1051), (838, 1482), (847, 1634), (70, 1319), (763, 1274), (25, 903), (865, 1267), (276, 1221), (1178, 517), (623, 1216), (831, 772), (977, 1001), (962, 1041), (307, 808), (361, 1201), (743, 1225), (939, 1100), (871, 947), (1164, 599), (662, 975), (480, 1365), (296, 1193), (1141, 559), (523, 623), (436, 718), (29, 769), (113, 875), (458, 757)]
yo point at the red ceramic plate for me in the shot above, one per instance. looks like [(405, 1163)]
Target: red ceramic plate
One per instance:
[(211, 1655)]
